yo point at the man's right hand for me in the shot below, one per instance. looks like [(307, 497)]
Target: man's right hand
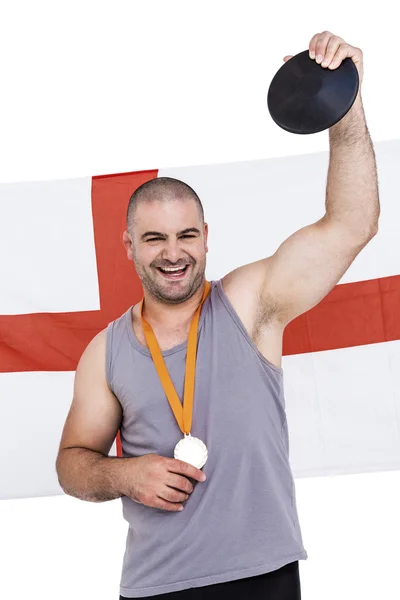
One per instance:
[(159, 482)]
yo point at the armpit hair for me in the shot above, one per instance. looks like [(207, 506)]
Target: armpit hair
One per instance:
[(266, 309)]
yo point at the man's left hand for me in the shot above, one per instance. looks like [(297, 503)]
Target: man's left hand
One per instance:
[(330, 50)]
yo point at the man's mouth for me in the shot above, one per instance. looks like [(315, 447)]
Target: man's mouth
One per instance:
[(173, 272)]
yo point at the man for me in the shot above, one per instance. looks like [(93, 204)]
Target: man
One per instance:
[(194, 371)]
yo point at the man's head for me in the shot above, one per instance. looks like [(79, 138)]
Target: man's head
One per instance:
[(165, 228)]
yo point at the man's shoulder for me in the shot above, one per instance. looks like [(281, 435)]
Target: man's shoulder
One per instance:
[(246, 289)]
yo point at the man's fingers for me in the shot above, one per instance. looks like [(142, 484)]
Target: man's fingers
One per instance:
[(170, 506), (171, 495), (312, 45), (331, 50), (340, 55), (320, 47), (179, 482), (179, 466)]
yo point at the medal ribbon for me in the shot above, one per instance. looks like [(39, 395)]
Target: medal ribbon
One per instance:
[(183, 415)]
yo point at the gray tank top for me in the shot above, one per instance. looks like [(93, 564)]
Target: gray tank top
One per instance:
[(242, 521)]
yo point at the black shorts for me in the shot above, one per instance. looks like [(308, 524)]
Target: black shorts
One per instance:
[(281, 584)]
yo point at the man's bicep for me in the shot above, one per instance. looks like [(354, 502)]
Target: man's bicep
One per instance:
[(308, 264)]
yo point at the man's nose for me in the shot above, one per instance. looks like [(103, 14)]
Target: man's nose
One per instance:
[(172, 252)]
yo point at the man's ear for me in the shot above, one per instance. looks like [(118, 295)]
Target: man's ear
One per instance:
[(127, 241), (206, 235)]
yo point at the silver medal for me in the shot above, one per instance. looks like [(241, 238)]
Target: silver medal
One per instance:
[(191, 450)]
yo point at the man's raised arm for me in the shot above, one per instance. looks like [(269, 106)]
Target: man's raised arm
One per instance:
[(309, 263)]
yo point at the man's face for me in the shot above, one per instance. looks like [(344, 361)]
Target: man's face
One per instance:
[(168, 234)]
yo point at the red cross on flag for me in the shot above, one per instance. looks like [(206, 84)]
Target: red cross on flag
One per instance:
[(65, 275)]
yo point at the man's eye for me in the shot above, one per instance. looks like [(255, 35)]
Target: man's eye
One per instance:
[(156, 239)]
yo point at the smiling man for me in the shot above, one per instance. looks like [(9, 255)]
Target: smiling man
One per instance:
[(167, 240), (192, 378)]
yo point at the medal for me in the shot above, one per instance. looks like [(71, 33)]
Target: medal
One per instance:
[(192, 450), (189, 449)]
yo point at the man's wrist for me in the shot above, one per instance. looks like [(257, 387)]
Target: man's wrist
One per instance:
[(352, 127)]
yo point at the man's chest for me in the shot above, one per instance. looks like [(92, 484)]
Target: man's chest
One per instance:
[(166, 339)]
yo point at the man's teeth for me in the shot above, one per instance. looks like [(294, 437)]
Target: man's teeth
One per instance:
[(172, 269)]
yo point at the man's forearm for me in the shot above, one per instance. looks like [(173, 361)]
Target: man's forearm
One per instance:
[(352, 194), (91, 476)]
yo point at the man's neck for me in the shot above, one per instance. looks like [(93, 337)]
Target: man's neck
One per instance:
[(171, 315)]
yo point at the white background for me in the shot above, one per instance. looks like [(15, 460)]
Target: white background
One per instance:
[(92, 88)]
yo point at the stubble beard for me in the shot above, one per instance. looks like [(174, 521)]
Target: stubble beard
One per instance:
[(169, 296)]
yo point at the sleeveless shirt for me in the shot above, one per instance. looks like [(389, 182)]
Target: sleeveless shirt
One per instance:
[(242, 521)]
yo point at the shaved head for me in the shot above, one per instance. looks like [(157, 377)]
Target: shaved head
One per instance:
[(165, 189)]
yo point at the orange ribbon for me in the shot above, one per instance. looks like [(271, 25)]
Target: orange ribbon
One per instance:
[(184, 414)]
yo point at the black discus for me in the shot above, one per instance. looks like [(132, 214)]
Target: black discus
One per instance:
[(304, 97)]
